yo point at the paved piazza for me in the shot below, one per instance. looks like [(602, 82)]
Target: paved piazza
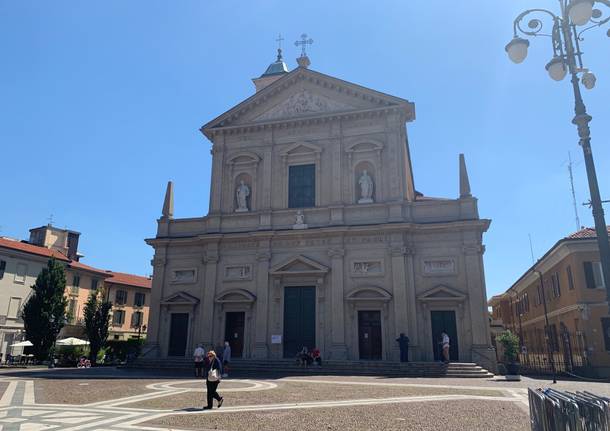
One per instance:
[(108, 399)]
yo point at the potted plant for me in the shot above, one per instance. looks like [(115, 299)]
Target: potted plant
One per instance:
[(510, 346)]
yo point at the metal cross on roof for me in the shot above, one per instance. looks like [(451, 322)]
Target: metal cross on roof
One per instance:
[(279, 41), (303, 42)]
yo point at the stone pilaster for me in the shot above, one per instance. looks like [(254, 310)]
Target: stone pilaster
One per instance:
[(210, 260), (338, 346), (217, 176), (156, 295), (399, 293), (261, 350)]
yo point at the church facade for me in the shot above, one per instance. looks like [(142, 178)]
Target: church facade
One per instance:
[(317, 237)]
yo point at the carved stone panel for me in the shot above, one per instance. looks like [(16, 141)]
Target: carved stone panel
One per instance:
[(238, 272), (183, 276), (439, 266), (366, 268)]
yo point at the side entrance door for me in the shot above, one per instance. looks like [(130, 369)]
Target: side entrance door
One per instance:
[(299, 319), (369, 335), (234, 332), (444, 321), (178, 333)]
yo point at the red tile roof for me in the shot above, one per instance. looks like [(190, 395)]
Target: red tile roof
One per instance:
[(128, 279), (587, 232), (110, 276), (32, 249)]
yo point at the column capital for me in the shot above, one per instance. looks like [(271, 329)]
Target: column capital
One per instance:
[(263, 256), (211, 257), (336, 253), (396, 251), (473, 249)]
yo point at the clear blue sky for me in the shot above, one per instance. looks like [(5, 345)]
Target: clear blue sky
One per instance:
[(101, 102)]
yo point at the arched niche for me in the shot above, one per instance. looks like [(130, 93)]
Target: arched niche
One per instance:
[(359, 168), (247, 179)]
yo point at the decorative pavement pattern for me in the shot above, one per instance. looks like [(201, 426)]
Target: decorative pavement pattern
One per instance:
[(20, 412)]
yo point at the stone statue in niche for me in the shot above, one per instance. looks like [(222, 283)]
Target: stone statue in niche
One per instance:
[(242, 192), (366, 188), (300, 221)]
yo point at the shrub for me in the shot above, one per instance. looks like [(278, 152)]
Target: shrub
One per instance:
[(510, 344)]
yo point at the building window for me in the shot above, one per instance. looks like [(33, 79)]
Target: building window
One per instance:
[(136, 319), (570, 278), (94, 282), (2, 268), (22, 270), (302, 186), (594, 275), (120, 297), (138, 300), (72, 310), (606, 332), (14, 305), (555, 285), (75, 285), (118, 317)]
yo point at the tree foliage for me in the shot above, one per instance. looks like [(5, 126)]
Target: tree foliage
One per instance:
[(510, 343), (97, 319), (44, 314)]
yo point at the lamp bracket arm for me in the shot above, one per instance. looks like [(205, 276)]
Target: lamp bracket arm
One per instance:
[(535, 24)]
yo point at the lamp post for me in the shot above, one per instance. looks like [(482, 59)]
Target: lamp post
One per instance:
[(547, 328), (576, 17)]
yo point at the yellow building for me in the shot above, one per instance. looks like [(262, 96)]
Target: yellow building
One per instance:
[(22, 261), (576, 307)]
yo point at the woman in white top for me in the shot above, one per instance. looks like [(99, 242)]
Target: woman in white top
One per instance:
[(445, 346)]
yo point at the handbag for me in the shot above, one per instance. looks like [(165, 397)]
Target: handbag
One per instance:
[(213, 375)]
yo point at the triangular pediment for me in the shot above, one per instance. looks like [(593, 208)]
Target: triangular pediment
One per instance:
[(442, 293), (180, 298), (299, 265), (304, 93)]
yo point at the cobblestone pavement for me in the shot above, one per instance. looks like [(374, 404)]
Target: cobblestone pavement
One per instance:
[(38, 401)]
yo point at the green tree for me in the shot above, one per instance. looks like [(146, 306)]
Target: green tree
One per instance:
[(97, 320), (44, 314)]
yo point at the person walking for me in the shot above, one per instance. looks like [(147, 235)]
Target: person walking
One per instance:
[(198, 357), (445, 345), (403, 345), (226, 359), (212, 380)]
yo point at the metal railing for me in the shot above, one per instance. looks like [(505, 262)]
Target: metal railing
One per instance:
[(568, 351), (552, 410)]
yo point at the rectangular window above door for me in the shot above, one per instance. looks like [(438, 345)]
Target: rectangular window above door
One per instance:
[(302, 186)]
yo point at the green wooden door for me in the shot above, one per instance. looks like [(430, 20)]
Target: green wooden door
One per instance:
[(178, 331), (444, 321), (299, 319)]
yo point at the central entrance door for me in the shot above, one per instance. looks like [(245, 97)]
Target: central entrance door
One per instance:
[(444, 321), (178, 333), (299, 319), (369, 335), (234, 332)]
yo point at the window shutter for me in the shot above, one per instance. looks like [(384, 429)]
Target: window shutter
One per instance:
[(589, 276)]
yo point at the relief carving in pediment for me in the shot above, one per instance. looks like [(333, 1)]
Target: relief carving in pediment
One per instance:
[(303, 103)]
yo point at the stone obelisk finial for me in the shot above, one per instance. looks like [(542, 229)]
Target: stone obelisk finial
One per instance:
[(464, 182), (168, 203)]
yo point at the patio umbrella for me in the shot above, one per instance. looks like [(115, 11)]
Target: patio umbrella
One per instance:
[(72, 341), (22, 344)]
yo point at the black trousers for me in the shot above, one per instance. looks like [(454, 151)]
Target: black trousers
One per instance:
[(212, 394)]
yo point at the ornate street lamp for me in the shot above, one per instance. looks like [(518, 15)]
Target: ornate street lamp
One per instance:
[(566, 36)]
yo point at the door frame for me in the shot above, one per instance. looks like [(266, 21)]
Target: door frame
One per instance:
[(383, 309), (168, 330), (463, 345), (317, 313), (224, 329), (381, 330)]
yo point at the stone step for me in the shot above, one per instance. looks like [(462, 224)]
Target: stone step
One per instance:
[(290, 367)]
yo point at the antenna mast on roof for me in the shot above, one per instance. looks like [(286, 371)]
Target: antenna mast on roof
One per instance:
[(577, 219), (531, 249)]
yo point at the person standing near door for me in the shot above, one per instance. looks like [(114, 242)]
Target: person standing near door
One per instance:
[(445, 346), (226, 359), (403, 345), (199, 356), (212, 380)]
